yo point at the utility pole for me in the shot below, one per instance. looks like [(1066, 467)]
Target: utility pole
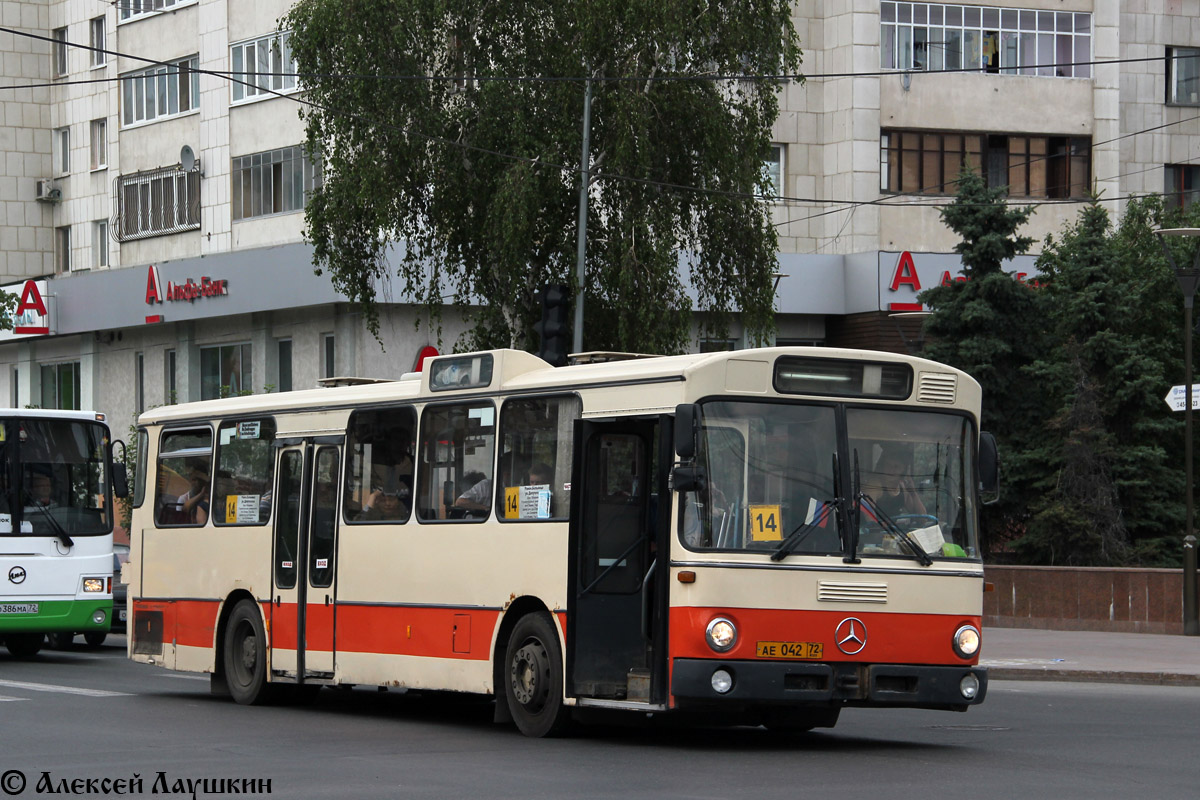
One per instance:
[(581, 243)]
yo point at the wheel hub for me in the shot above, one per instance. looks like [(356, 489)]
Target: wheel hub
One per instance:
[(530, 674)]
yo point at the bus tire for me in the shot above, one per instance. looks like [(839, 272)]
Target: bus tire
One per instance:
[(245, 655), (95, 638), (24, 645), (533, 677)]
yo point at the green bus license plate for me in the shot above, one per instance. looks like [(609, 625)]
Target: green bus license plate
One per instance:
[(18, 608), (789, 649)]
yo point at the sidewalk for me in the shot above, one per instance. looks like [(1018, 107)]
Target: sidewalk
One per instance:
[(1039, 655)]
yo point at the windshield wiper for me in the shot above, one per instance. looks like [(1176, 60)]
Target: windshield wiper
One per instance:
[(890, 525), (59, 533), (797, 537)]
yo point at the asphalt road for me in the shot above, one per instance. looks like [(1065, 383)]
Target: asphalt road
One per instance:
[(92, 714)]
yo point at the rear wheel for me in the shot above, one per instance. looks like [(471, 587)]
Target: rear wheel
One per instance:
[(24, 645), (95, 638), (533, 679), (245, 655)]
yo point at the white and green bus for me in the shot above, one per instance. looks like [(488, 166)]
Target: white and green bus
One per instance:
[(56, 526)]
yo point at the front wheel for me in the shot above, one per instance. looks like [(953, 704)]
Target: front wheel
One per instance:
[(533, 677), (245, 655), (60, 641), (24, 645), (95, 638)]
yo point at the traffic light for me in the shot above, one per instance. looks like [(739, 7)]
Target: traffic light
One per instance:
[(554, 331)]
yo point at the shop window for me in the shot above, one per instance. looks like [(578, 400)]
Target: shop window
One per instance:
[(284, 382), (536, 437), (225, 371), (61, 386)]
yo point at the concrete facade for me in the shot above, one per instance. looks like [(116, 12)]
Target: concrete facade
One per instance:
[(844, 262)]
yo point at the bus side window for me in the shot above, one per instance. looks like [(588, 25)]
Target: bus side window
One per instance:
[(379, 465), (536, 435), (458, 445), (245, 472), (183, 485)]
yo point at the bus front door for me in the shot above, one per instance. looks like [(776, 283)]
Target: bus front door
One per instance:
[(302, 609), (611, 620)]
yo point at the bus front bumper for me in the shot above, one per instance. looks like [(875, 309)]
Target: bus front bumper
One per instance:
[(60, 616), (774, 682)]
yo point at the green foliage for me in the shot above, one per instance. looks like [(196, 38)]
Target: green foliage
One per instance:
[(8, 310), (426, 162)]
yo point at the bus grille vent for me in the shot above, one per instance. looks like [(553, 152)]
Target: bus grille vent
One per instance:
[(841, 592), (936, 387)]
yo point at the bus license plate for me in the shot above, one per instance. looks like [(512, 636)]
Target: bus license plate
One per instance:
[(18, 608), (790, 650)]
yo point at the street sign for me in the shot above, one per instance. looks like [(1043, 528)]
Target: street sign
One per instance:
[(1177, 397)]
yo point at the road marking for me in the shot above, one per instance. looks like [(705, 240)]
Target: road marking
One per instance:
[(46, 687), (6, 699), (185, 677)]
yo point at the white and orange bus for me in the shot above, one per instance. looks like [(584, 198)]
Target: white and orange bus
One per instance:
[(760, 536)]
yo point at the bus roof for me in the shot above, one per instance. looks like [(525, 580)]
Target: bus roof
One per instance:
[(518, 371), (51, 413)]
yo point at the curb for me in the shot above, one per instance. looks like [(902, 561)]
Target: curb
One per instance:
[(1093, 676)]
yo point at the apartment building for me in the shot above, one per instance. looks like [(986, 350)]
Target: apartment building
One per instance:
[(153, 214)]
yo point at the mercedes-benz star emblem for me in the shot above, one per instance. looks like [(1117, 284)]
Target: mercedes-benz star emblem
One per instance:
[(851, 636), (16, 575)]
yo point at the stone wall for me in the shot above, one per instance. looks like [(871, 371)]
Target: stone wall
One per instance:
[(1085, 599)]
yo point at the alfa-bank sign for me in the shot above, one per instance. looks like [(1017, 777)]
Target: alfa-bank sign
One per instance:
[(187, 292), (905, 275)]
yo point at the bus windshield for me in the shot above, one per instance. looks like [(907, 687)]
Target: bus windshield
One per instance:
[(770, 471), (54, 480)]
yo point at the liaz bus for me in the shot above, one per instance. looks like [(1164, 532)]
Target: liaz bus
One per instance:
[(56, 526), (761, 537)]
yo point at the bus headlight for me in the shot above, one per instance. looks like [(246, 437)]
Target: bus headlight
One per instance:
[(969, 686), (966, 641), (98, 616), (93, 584), (722, 681), (721, 635)]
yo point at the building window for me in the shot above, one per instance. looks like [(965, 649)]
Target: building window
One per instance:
[(224, 371), (285, 365), (99, 57), (157, 202), (1183, 76), (262, 67), (929, 162), (328, 356), (160, 92), (137, 8), (772, 170), (1181, 185), (169, 375), (60, 51), (60, 386), (16, 387), (933, 36), (99, 143), (274, 182), (717, 345), (100, 243), (62, 151), (62, 249), (139, 388)]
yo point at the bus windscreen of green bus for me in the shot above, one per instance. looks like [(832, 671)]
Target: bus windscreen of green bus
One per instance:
[(54, 480)]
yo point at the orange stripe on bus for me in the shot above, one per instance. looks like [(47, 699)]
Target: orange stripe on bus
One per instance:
[(892, 638)]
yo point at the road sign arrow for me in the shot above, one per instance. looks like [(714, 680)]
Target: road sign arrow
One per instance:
[(1177, 397)]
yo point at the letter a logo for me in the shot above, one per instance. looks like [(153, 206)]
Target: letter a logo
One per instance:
[(31, 316), (153, 287), (906, 273)]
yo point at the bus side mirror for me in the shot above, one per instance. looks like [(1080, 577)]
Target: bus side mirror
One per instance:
[(989, 464), (686, 417), (120, 481)]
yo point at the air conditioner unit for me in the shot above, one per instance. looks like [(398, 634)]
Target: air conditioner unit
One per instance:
[(48, 191)]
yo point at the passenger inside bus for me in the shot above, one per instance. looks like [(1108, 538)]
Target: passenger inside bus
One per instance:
[(391, 501), (193, 504), (41, 489), (895, 491)]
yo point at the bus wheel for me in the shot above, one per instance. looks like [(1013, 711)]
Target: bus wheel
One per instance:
[(24, 645), (246, 655), (95, 638), (533, 677)]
